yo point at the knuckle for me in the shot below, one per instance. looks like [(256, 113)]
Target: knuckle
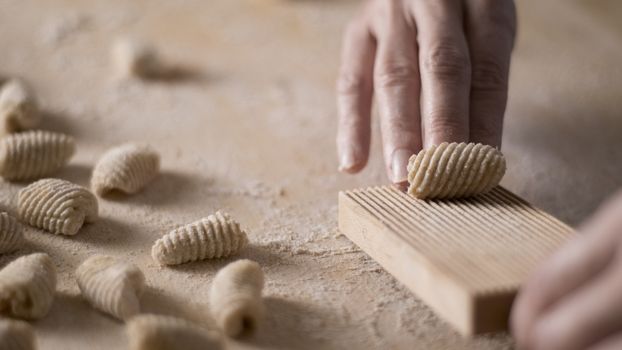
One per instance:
[(400, 125), (447, 62), (350, 83), (391, 74), (489, 75), (444, 121), (351, 122)]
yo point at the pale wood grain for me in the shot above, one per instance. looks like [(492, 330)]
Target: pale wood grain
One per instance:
[(465, 258)]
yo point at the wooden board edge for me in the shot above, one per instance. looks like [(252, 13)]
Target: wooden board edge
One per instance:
[(454, 303)]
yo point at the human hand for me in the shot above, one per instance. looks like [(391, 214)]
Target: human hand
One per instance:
[(439, 70), (574, 301)]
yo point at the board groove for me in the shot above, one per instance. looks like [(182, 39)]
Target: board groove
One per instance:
[(478, 250)]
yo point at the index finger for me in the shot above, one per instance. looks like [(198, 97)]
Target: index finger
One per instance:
[(354, 97)]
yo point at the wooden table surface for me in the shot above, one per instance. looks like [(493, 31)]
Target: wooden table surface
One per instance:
[(251, 130)]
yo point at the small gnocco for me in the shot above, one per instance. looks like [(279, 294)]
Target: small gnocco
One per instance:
[(133, 57), (235, 297), (34, 154), (126, 168), (216, 236), (11, 235), (155, 332), (27, 286), (111, 285), (64, 213), (19, 109), (455, 170)]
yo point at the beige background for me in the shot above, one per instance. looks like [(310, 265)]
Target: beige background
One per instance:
[(251, 130)]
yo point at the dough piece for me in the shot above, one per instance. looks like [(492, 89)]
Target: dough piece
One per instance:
[(154, 332), (111, 285), (127, 168), (455, 170), (11, 236), (34, 154), (27, 286), (216, 236), (235, 298), (18, 108), (135, 58), (16, 335), (57, 206)]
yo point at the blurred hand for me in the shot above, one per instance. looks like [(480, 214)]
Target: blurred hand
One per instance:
[(439, 69), (574, 301)]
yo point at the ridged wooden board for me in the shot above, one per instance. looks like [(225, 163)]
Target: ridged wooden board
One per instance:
[(465, 258)]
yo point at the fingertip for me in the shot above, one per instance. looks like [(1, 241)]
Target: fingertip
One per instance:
[(401, 186), (399, 164), (350, 163)]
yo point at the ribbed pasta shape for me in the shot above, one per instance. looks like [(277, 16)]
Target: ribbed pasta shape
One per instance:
[(57, 206), (455, 170), (16, 335), (155, 332), (134, 58), (235, 298), (215, 236), (126, 168), (111, 285), (11, 235), (27, 286), (34, 154), (18, 108)]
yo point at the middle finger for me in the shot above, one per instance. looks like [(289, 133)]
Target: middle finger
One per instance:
[(445, 71)]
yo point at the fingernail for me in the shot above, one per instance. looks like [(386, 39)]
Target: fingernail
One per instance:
[(399, 161), (346, 162)]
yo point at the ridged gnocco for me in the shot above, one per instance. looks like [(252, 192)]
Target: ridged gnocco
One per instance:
[(57, 206), (126, 168), (34, 154), (18, 108), (27, 286), (16, 335), (11, 235), (134, 57), (235, 297), (156, 332), (215, 236), (455, 170), (111, 285)]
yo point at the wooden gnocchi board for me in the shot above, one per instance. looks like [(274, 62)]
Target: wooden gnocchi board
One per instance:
[(465, 258)]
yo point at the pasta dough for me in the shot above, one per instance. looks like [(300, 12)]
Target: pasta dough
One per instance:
[(16, 335), (127, 168), (18, 108), (57, 206), (216, 236), (111, 285), (455, 170), (134, 58), (11, 236), (34, 154), (27, 286), (235, 298), (154, 332)]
